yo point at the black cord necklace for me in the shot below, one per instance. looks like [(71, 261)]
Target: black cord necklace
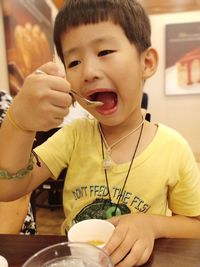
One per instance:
[(114, 209)]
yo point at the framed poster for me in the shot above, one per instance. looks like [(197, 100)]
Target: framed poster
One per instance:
[(182, 64), (29, 38)]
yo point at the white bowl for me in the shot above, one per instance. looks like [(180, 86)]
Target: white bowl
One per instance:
[(3, 262), (94, 231)]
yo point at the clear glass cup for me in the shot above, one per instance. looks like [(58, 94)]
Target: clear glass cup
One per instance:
[(69, 254)]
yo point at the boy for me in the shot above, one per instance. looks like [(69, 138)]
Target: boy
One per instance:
[(120, 167)]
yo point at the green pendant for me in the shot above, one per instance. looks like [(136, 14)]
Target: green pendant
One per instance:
[(112, 211)]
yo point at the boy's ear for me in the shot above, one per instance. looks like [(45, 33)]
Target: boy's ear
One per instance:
[(150, 62)]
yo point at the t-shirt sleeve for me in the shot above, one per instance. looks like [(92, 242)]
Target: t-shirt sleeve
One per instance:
[(56, 151), (184, 195)]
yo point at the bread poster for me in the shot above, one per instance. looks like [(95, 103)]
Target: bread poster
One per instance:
[(182, 64), (29, 38)]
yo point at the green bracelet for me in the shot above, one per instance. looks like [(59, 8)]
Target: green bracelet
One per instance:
[(20, 174)]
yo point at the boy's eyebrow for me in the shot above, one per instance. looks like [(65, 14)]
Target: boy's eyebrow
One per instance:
[(72, 50)]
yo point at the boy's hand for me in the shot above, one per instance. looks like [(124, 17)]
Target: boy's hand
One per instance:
[(43, 101), (132, 241)]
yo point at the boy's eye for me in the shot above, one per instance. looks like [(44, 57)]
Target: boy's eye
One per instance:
[(105, 52), (73, 63)]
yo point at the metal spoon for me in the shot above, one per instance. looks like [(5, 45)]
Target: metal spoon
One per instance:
[(88, 102)]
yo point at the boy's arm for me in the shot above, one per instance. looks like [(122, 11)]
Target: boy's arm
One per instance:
[(16, 156), (12, 215), (41, 104), (177, 226)]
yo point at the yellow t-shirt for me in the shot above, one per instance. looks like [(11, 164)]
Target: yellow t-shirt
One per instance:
[(164, 175)]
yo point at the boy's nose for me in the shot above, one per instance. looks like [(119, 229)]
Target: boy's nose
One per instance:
[(91, 72)]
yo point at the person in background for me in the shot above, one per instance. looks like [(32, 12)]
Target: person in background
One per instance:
[(15, 216), (120, 167)]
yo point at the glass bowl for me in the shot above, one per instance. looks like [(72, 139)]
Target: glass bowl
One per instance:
[(69, 254)]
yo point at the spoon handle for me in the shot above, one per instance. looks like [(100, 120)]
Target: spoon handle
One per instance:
[(87, 101)]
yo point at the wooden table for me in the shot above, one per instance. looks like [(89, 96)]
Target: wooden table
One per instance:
[(167, 252), (18, 248)]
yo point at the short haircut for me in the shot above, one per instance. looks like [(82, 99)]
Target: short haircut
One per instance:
[(129, 14)]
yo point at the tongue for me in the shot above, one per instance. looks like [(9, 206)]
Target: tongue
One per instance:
[(108, 98)]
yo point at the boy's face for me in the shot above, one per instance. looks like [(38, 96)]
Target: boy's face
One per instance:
[(102, 64)]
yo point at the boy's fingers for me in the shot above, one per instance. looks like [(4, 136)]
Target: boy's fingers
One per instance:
[(114, 220), (117, 236), (50, 68)]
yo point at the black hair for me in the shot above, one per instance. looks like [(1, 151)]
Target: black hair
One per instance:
[(129, 14)]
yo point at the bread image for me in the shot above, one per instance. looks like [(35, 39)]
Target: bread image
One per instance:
[(22, 41), (32, 47), (188, 68)]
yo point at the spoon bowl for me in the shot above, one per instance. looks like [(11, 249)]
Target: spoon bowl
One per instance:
[(88, 102)]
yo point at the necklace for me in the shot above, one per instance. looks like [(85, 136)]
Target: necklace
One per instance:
[(114, 210), (107, 161)]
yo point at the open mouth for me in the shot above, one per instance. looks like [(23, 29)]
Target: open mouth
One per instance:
[(108, 98)]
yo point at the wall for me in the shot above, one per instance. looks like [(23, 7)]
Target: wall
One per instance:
[(180, 112), (3, 68)]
